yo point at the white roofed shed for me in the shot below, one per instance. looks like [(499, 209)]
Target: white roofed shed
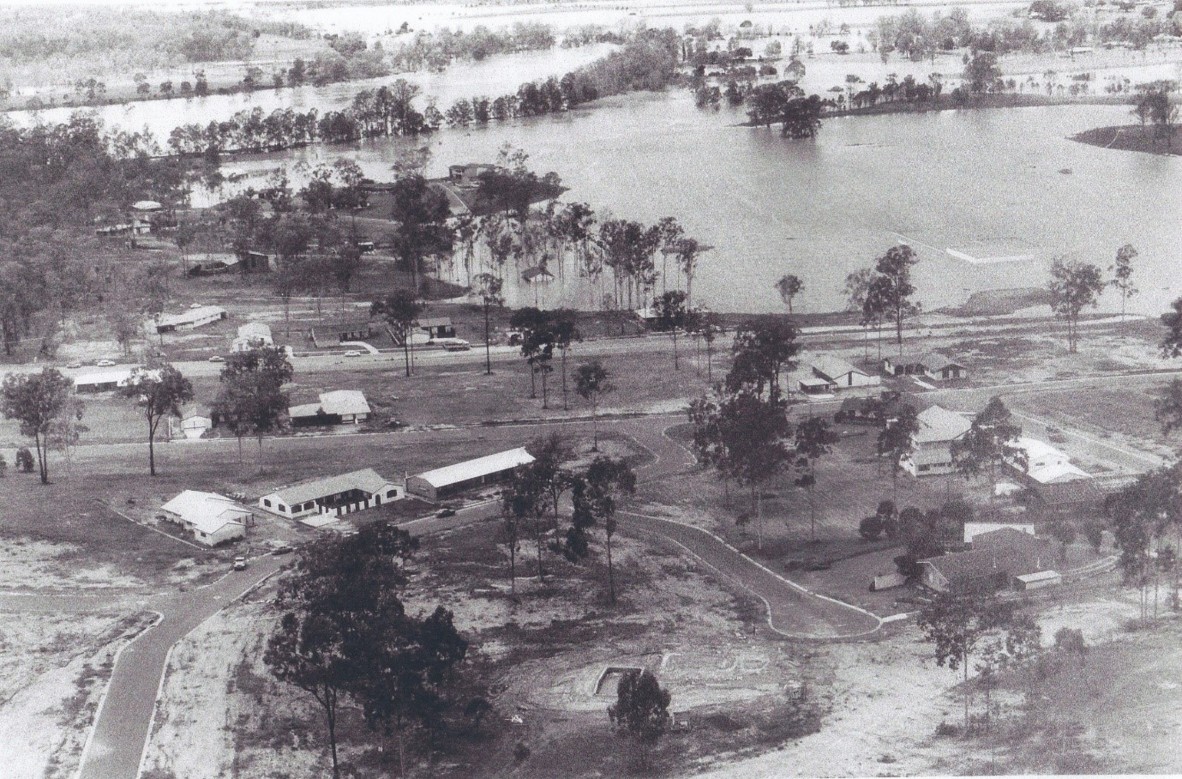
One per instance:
[(452, 479)]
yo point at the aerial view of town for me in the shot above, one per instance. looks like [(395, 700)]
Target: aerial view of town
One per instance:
[(583, 388)]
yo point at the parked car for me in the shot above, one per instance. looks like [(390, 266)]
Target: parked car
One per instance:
[(515, 337), (281, 550), (445, 512), (239, 563), (454, 344), (217, 358), (74, 364), (353, 353), (105, 363)]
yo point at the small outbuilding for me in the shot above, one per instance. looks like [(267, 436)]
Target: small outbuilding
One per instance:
[(212, 519), (437, 327), (932, 366), (453, 479), (252, 335), (333, 496)]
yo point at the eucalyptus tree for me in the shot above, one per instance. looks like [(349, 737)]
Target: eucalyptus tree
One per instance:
[(1074, 286), (1122, 275)]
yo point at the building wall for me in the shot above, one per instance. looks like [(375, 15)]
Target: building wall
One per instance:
[(225, 533), (929, 459)]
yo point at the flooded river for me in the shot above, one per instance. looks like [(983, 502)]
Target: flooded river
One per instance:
[(1004, 190)]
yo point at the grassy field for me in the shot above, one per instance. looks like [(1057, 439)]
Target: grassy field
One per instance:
[(538, 657)]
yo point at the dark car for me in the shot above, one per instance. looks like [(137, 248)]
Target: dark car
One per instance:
[(281, 550), (445, 512)]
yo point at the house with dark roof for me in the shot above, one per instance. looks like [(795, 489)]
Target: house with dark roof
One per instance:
[(1064, 497), (437, 327), (995, 560), (333, 496), (932, 366)]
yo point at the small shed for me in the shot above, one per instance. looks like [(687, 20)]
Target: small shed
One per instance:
[(1036, 581), (815, 386), (842, 374), (438, 327)]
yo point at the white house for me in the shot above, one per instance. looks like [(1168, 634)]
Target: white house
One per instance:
[(212, 519), (252, 335), (1045, 464), (338, 407), (194, 423), (931, 446), (190, 318), (334, 495), (841, 374)]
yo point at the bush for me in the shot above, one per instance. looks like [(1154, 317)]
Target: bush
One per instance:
[(24, 460), (520, 752), (871, 528), (947, 729)]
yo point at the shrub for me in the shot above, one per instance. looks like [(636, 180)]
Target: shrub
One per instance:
[(871, 528), (24, 460)]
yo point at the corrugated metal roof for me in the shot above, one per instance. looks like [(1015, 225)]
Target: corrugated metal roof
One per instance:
[(344, 402), (104, 376), (366, 479), (939, 424), (831, 367), (192, 315), (206, 511), (474, 469)]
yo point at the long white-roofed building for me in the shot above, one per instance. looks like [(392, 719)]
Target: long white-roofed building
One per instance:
[(333, 496), (453, 479)]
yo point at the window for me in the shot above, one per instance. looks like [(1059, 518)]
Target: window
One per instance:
[(267, 502), (925, 467), (392, 493)]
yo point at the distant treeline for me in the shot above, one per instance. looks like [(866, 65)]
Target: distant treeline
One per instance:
[(137, 38), (434, 51), (646, 63)]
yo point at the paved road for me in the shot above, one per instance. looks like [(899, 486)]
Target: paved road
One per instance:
[(122, 726)]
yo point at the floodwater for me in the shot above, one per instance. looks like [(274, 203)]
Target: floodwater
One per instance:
[(1004, 189)]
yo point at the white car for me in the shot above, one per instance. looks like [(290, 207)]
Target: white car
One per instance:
[(105, 363), (217, 358), (352, 353), (454, 344), (73, 365)]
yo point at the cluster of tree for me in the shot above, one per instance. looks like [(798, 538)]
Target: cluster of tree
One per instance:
[(785, 102), (531, 503), (977, 628), (60, 181), (130, 38), (251, 399), (922, 533), (917, 37), (543, 332), (646, 62), (1146, 521), (434, 51), (743, 431), (374, 113), (883, 293), (345, 638), (1153, 105), (1140, 32), (46, 409)]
